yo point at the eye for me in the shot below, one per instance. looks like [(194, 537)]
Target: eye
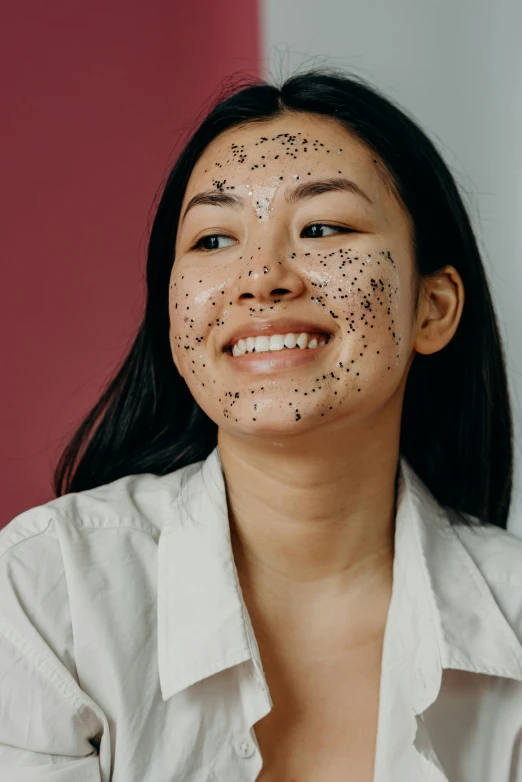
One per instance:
[(320, 230), (213, 242)]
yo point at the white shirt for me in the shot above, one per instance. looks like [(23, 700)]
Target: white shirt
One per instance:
[(127, 652)]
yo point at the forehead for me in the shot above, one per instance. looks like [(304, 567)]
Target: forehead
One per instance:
[(289, 144)]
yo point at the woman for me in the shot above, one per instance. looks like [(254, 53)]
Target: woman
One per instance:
[(278, 549)]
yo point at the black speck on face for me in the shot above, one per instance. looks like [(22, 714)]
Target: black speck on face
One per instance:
[(351, 280)]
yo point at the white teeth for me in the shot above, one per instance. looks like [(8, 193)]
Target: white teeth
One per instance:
[(262, 344), (275, 342)]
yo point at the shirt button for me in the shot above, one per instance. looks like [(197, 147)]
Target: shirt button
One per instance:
[(244, 748)]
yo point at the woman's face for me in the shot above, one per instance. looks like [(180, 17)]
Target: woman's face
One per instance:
[(288, 228)]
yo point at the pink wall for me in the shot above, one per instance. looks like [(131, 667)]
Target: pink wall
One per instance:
[(95, 96)]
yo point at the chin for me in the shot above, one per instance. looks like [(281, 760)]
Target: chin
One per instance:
[(270, 427)]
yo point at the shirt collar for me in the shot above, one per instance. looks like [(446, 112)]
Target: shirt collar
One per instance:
[(440, 600), (453, 617)]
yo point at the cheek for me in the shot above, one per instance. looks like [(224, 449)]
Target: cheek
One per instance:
[(198, 304), (183, 316), (363, 291)]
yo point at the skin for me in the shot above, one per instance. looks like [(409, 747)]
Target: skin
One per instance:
[(309, 454)]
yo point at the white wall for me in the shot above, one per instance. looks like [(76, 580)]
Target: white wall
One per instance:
[(456, 65)]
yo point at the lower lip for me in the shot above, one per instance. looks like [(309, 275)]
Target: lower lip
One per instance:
[(276, 360)]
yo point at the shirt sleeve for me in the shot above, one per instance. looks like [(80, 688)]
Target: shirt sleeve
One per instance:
[(50, 730)]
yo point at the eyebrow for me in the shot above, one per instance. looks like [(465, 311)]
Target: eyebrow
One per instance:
[(300, 193)]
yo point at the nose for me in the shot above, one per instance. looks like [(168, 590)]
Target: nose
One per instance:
[(269, 281)]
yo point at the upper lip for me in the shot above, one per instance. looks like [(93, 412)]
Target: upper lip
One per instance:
[(266, 328)]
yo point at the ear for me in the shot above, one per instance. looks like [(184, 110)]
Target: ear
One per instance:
[(440, 310)]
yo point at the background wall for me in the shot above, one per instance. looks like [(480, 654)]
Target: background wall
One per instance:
[(94, 98), (457, 66)]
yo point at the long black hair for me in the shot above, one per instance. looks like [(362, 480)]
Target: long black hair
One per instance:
[(456, 426)]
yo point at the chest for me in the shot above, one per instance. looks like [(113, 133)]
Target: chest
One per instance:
[(323, 725)]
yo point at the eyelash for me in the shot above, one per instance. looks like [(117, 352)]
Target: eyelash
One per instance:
[(338, 228)]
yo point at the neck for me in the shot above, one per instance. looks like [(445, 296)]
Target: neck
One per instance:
[(310, 522)]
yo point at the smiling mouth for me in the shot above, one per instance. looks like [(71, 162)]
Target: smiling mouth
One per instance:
[(252, 346)]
